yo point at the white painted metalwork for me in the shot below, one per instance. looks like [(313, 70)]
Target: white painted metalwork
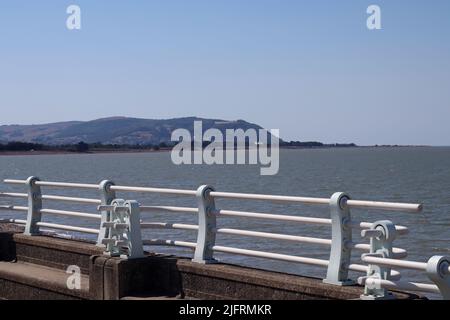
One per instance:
[(72, 214), (55, 184), (13, 195), (401, 230), (14, 221), (159, 242), (165, 225), (381, 235), (275, 198), (67, 228), (34, 206), (206, 235), (124, 237), (278, 217), (68, 185), (276, 236), (13, 208), (71, 199), (321, 201), (168, 209), (120, 230), (107, 196), (341, 234), (154, 190), (437, 269), (243, 196), (270, 255), (406, 207), (413, 265), (261, 254), (14, 181), (398, 253), (398, 285)]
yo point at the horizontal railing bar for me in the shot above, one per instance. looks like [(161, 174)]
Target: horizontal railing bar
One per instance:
[(270, 216), (358, 268), (406, 207), (154, 190), (72, 213), (13, 208), (71, 199), (176, 243), (56, 184), (321, 201), (399, 253), (277, 198), (402, 285), (163, 225), (414, 265), (67, 185), (270, 255), (276, 236), (420, 266), (13, 195), (14, 181), (168, 209), (17, 221), (68, 228), (401, 230)]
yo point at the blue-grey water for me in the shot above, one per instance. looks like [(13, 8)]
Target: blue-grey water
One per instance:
[(383, 174)]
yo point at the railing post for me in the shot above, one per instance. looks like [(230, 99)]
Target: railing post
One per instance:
[(438, 272), (340, 252), (107, 196), (206, 238), (381, 234), (34, 207), (123, 229)]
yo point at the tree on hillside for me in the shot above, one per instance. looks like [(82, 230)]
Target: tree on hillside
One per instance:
[(82, 147)]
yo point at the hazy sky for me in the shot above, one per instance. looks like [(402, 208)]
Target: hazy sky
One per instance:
[(310, 68)]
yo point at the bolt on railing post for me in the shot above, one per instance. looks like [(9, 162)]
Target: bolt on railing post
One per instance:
[(34, 207), (381, 234), (107, 197), (438, 272), (206, 237), (340, 252)]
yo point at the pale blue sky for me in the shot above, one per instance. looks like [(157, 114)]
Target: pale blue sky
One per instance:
[(310, 68)]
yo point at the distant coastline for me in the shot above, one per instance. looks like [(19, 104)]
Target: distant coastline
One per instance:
[(43, 152), (155, 149)]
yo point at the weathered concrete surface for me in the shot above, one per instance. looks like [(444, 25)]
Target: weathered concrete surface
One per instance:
[(30, 281), (9, 227), (53, 252), (34, 268), (156, 276)]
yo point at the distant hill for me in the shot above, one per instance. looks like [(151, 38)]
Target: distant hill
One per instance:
[(114, 130)]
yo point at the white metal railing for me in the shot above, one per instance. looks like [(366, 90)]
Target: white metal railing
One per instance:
[(120, 231)]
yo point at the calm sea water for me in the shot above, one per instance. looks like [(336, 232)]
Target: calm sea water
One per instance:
[(383, 174)]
